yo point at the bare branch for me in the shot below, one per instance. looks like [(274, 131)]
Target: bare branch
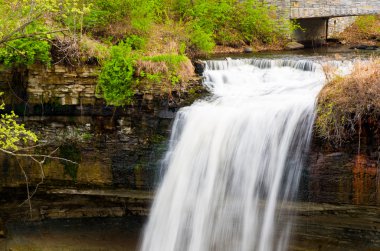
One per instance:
[(27, 187), (39, 163), (30, 147), (36, 156), (9, 36)]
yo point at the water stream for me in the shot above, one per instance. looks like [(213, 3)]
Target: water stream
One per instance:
[(235, 158)]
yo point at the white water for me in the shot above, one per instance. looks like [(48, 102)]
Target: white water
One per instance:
[(235, 159)]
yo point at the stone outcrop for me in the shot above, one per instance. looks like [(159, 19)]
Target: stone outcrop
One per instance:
[(294, 46), (339, 24), (61, 84)]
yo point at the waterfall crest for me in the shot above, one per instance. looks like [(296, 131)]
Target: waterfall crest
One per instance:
[(234, 159)]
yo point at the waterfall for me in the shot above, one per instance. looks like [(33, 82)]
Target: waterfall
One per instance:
[(235, 158)]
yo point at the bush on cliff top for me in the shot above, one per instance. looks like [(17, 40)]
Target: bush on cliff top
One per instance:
[(347, 102), (128, 71)]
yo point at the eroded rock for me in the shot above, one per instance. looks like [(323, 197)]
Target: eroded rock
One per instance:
[(294, 46)]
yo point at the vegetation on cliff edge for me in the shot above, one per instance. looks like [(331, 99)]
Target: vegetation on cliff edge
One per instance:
[(348, 102), (157, 32)]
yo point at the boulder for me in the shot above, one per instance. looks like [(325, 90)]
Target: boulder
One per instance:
[(294, 46), (248, 50), (199, 66)]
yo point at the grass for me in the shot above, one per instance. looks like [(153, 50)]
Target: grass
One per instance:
[(346, 103)]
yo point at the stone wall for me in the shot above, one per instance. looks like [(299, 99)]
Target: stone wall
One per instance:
[(61, 84), (5, 80), (332, 8), (339, 24), (114, 146)]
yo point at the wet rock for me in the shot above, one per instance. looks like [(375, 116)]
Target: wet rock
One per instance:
[(365, 47), (294, 46), (199, 66), (57, 125), (248, 50), (148, 97)]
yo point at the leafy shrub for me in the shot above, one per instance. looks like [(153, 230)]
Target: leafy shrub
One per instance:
[(25, 51), (167, 68), (201, 39), (136, 42), (116, 77), (128, 70), (13, 133), (233, 23), (104, 12), (137, 15)]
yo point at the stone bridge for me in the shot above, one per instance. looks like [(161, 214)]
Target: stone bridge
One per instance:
[(319, 17), (331, 8)]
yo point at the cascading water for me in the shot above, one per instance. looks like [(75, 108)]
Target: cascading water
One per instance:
[(234, 160)]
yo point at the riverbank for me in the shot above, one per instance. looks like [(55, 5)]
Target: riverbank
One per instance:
[(364, 30)]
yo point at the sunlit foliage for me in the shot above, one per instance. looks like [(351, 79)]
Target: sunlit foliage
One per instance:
[(12, 133)]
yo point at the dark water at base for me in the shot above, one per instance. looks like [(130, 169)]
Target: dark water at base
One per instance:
[(318, 227), (101, 234)]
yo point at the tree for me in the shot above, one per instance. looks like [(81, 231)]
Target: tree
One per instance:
[(17, 141), (30, 18)]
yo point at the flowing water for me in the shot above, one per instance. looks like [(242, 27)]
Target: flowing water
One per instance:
[(235, 159)]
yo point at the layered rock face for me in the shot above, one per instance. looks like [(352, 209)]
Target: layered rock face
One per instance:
[(118, 149)]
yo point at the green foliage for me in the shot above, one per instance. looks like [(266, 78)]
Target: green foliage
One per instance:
[(12, 133), (72, 13), (116, 77), (144, 14), (25, 51), (364, 23), (368, 25), (229, 22), (201, 39), (104, 12), (141, 14), (27, 25), (207, 22), (136, 42), (128, 69), (172, 62)]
